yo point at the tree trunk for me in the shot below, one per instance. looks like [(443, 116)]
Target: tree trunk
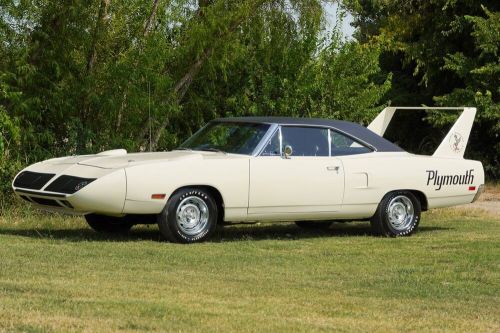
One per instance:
[(179, 87), (184, 83), (180, 91), (120, 111), (149, 22), (99, 25), (145, 33), (91, 60)]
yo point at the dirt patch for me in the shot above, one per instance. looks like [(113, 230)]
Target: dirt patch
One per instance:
[(489, 201)]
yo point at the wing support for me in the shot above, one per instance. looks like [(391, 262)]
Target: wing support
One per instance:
[(455, 141)]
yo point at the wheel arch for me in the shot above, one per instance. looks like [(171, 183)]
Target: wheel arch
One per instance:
[(422, 198), (219, 200), (418, 194)]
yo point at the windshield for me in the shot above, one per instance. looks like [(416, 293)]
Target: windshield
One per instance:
[(227, 137)]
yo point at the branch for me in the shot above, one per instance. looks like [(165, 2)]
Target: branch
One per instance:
[(180, 91), (101, 20), (91, 60), (149, 22), (184, 83), (146, 30)]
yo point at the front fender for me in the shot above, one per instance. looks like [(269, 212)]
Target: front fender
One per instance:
[(104, 195)]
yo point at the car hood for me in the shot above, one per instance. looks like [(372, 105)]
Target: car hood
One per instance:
[(124, 160)]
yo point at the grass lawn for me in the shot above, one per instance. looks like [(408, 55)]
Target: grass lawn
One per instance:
[(58, 275)]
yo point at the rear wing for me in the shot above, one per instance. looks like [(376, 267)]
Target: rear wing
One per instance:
[(455, 141)]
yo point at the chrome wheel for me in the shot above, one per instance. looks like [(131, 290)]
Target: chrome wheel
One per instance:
[(192, 215), (400, 212)]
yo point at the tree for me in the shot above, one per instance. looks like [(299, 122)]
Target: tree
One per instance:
[(480, 74), (440, 52), (86, 76), (10, 134)]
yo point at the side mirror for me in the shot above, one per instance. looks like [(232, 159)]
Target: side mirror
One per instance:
[(287, 151)]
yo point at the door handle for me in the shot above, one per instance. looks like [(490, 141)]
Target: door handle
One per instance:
[(333, 168)]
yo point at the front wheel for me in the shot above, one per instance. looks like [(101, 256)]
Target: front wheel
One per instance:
[(398, 214), (189, 216), (108, 224)]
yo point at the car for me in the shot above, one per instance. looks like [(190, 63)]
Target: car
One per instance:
[(311, 171)]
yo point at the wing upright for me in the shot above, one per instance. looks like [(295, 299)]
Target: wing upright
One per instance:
[(455, 141)]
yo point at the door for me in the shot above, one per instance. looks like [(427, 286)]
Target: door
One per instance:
[(307, 181)]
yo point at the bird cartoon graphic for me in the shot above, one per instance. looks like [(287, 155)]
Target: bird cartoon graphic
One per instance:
[(456, 145)]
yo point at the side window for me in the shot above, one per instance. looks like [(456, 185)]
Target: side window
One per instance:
[(306, 141), (344, 145), (272, 147)]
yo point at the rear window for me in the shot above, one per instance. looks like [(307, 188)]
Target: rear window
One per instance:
[(343, 145)]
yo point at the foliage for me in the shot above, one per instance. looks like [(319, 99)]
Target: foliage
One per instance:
[(481, 77), (441, 52), (84, 76), (10, 134)]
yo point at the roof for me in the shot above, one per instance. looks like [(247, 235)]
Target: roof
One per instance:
[(357, 131)]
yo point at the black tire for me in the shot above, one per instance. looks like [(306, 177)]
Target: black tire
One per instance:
[(108, 224), (405, 217), (189, 216), (322, 225)]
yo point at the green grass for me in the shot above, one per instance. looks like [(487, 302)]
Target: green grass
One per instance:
[(57, 275)]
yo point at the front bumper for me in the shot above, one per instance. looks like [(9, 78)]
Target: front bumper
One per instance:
[(74, 189)]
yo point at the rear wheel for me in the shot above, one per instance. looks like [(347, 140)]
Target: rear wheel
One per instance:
[(314, 224), (398, 214), (108, 224), (189, 216)]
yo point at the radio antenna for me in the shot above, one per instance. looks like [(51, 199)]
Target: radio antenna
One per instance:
[(149, 116)]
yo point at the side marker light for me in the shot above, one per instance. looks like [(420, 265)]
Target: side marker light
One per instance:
[(158, 196)]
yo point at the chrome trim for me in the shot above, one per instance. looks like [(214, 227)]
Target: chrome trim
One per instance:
[(356, 139), (275, 126), (192, 215), (257, 150), (281, 140), (262, 144), (199, 130), (400, 213), (41, 194), (362, 142), (329, 128), (329, 142)]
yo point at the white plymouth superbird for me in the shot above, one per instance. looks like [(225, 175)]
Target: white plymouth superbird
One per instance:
[(312, 171)]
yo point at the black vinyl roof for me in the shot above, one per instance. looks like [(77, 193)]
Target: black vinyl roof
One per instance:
[(355, 130)]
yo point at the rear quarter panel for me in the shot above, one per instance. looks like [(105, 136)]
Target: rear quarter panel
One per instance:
[(370, 176)]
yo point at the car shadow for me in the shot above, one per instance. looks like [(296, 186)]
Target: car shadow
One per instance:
[(261, 231), (84, 234), (288, 231)]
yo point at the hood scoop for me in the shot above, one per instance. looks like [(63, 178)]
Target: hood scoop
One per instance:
[(114, 152)]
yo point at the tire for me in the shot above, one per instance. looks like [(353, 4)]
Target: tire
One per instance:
[(190, 216), (108, 224), (322, 225), (398, 214)]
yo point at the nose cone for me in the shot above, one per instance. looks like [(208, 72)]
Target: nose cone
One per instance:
[(104, 195)]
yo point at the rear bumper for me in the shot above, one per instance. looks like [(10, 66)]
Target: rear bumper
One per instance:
[(480, 191)]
